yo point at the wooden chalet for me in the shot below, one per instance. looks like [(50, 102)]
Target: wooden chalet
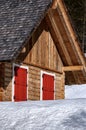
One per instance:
[(39, 51)]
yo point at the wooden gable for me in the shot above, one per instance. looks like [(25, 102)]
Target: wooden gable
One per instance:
[(55, 45), (41, 50), (67, 43)]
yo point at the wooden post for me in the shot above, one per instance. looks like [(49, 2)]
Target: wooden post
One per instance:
[(71, 31)]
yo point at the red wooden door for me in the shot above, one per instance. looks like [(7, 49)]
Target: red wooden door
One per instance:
[(48, 87), (20, 84)]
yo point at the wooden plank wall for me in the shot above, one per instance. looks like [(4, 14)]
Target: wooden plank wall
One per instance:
[(34, 81), (1, 80), (1, 74), (7, 92), (41, 50), (60, 84)]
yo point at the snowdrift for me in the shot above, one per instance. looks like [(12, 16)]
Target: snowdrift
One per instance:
[(43, 115), (68, 114), (75, 91)]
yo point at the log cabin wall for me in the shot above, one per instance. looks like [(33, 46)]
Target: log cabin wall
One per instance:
[(1, 75), (7, 85), (34, 82), (1, 80)]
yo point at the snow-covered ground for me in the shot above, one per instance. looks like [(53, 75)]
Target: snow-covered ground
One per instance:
[(44, 115), (68, 114), (75, 91)]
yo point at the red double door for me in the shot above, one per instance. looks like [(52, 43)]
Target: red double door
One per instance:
[(48, 87), (20, 84)]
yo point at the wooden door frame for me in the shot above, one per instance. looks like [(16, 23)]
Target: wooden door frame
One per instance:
[(41, 82), (20, 66)]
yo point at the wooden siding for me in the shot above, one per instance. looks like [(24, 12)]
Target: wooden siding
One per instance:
[(1, 75), (40, 53), (34, 82), (41, 50), (1, 80), (66, 42), (7, 85)]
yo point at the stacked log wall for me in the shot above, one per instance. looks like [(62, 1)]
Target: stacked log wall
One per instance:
[(7, 92), (34, 82)]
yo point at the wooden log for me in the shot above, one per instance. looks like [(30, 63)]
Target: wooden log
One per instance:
[(31, 97), (54, 4), (34, 89), (72, 68), (34, 77), (1, 94), (33, 83), (34, 93), (8, 65), (31, 80), (71, 31), (60, 39), (44, 68)]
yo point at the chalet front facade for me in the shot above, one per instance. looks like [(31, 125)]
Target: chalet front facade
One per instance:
[(39, 52)]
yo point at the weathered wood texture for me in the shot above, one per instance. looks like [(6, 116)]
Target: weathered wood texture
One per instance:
[(1, 94), (7, 85), (1, 80), (34, 81), (59, 86), (1, 75), (72, 68), (72, 77), (66, 41), (40, 53), (41, 50)]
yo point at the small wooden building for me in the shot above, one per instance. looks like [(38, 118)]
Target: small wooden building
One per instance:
[(39, 51)]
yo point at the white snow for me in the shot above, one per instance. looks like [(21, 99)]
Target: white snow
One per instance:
[(68, 114), (75, 91), (43, 115)]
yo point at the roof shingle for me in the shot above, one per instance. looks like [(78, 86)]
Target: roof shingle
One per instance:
[(18, 18)]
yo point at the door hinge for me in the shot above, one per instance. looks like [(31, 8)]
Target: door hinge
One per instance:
[(14, 97), (14, 82), (43, 75)]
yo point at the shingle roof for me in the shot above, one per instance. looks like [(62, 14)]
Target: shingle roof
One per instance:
[(18, 19)]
